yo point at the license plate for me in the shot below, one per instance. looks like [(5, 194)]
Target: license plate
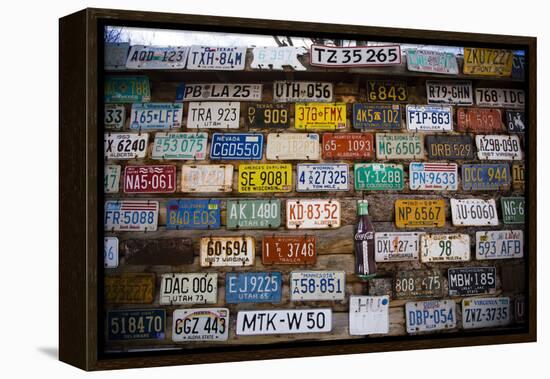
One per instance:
[(518, 176), (267, 115), (485, 312), (432, 61), (487, 62), (419, 213), (292, 146), (347, 146), (275, 58), (501, 244), (111, 178), (455, 92), (227, 251), (127, 89), (185, 289), (294, 91), (150, 179), (369, 315), (479, 120), (429, 118), (376, 117), (312, 214), (500, 97), (317, 285), (399, 146), (130, 288), (115, 55), (193, 214), (417, 284), (518, 67), (513, 210), (396, 246), (180, 146), (299, 250), (219, 91), (157, 57), (136, 324), (444, 248), (474, 212), (149, 251), (386, 91), (253, 214), (253, 287), (125, 145), (378, 176), (515, 121), (486, 177), (433, 176), (236, 146), (110, 252), (131, 215), (151, 116), (216, 58), (213, 115), (115, 114), (319, 116), (472, 281), (427, 316), (284, 321), (207, 178), (200, 324), (354, 56), (495, 147), (322, 177), (455, 147), (265, 177), (519, 309)]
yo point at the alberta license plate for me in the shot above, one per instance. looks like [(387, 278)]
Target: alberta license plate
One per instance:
[(227, 251), (376, 116), (419, 213), (297, 91), (115, 114), (213, 115), (284, 321), (236, 146), (347, 146), (317, 285), (452, 147), (447, 92), (267, 115), (486, 177), (200, 324), (485, 312), (150, 179), (127, 89), (500, 244), (436, 62), (180, 146), (479, 120), (369, 315), (219, 91), (399, 146), (513, 210), (498, 147), (319, 116), (312, 214), (452, 247), (130, 288), (253, 214), (354, 56), (186, 289), (322, 177), (487, 62), (515, 121), (427, 316), (111, 178), (265, 177), (110, 252), (216, 58), (292, 146), (131, 215), (472, 280), (193, 214), (433, 176), (417, 284), (396, 246), (474, 212), (136, 324), (151, 116), (289, 249), (378, 176), (500, 97), (207, 178), (125, 145), (429, 118), (386, 91), (157, 57), (253, 287)]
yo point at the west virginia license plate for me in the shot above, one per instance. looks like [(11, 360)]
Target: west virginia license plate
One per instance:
[(237, 146), (347, 146), (479, 120), (219, 91), (449, 92), (396, 246), (436, 62), (419, 213), (513, 210), (312, 214), (125, 145), (486, 312), (354, 56), (452, 147), (429, 118), (474, 212), (376, 117), (427, 316), (216, 58), (253, 287), (297, 91), (378, 176), (292, 146), (292, 249), (500, 97), (150, 179), (193, 214), (486, 177), (213, 115), (131, 215), (417, 284), (472, 280), (253, 214), (151, 116), (157, 57), (444, 247), (136, 324), (268, 115), (111, 178), (317, 285), (487, 62), (498, 147), (322, 177), (500, 244), (127, 89), (130, 288), (186, 289), (227, 251), (115, 115), (180, 146), (265, 177), (433, 176), (284, 321), (386, 91), (399, 146), (207, 178), (319, 116), (200, 324)]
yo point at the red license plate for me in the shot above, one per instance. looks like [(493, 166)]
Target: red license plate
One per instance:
[(479, 120), (347, 146), (149, 179), (299, 250)]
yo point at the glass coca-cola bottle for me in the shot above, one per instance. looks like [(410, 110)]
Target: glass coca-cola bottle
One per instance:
[(365, 266)]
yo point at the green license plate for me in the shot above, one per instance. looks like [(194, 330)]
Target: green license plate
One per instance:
[(513, 210), (378, 176), (253, 214), (127, 89)]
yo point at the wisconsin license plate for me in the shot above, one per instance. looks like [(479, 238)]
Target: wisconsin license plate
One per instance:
[(136, 324), (322, 177), (275, 58), (486, 177), (500, 97), (515, 121), (474, 212), (265, 177), (487, 62), (513, 210), (354, 56), (399, 146), (449, 92), (125, 145), (419, 213), (110, 252), (453, 147), (479, 120), (219, 91), (319, 116), (253, 287), (317, 285), (193, 214), (436, 62), (213, 115), (417, 284), (501, 244), (431, 118), (131, 215), (111, 178), (378, 176), (427, 316), (369, 315), (444, 248), (289, 250), (485, 312), (284, 321), (292, 146), (386, 91), (157, 57), (472, 280), (498, 147), (207, 178), (294, 91), (127, 89), (347, 146), (433, 176), (186, 289), (312, 214), (150, 179), (130, 288), (376, 117), (216, 58), (268, 115), (180, 146), (200, 324), (253, 214), (151, 116), (396, 246), (115, 115), (227, 251), (236, 146)]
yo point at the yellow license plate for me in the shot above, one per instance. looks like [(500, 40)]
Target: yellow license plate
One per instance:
[(320, 116), (489, 62), (265, 177), (130, 288), (419, 213)]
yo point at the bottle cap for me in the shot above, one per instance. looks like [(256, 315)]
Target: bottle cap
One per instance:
[(362, 207)]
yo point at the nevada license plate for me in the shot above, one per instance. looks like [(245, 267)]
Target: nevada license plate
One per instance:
[(253, 287), (236, 146), (227, 251), (111, 178), (495, 147), (267, 115), (427, 316), (294, 91), (253, 214), (452, 247), (186, 289), (125, 145), (347, 146), (265, 177), (417, 283), (436, 62), (110, 252), (284, 321), (317, 285), (459, 147), (485, 312), (193, 214), (376, 117), (130, 288), (157, 57), (127, 89), (369, 315), (319, 116), (500, 97), (455, 92), (378, 176), (429, 118), (136, 324), (419, 213), (399, 146), (487, 62), (150, 179), (151, 116), (396, 246), (354, 56), (474, 212), (433, 176), (200, 324), (312, 214), (486, 177), (513, 210), (515, 121), (207, 178), (322, 177), (289, 250), (274, 58), (500, 244), (479, 120), (115, 114), (219, 91), (184, 146), (213, 115), (386, 91), (131, 215), (472, 280), (216, 58), (292, 146)]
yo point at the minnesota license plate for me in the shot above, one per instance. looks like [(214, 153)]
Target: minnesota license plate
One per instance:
[(186, 289), (253, 214), (317, 285), (111, 178), (115, 114), (347, 146), (386, 91), (157, 57), (127, 89), (151, 116), (518, 176), (236, 146), (322, 177), (180, 146), (284, 321), (396, 246), (427, 316), (207, 178), (319, 116), (518, 67), (200, 324), (253, 287), (193, 214), (227, 251), (513, 210), (487, 62), (399, 146), (486, 312), (265, 177), (378, 176), (150, 179), (417, 284), (268, 115), (125, 145), (486, 177), (110, 252), (472, 280), (500, 97), (498, 147), (433, 176), (312, 214), (136, 324), (479, 120), (419, 213), (115, 55), (213, 115), (444, 248), (293, 249), (429, 118), (449, 92), (436, 62), (216, 58), (369, 315), (295, 91), (474, 212), (354, 56), (130, 288), (275, 58), (219, 91), (131, 215), (500, 244), (376, 117), (515, 121), (452, 147), (292, 146)]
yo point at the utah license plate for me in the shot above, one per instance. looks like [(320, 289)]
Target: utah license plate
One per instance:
[(193, 214), (312, 214), (127, 89), (486, 177), (265, 177), (294, 91), (284, 321), (216, 58), (378, 176), (293, 249), (427, 316), (419, 213), (292, 146), (354, 56), (207, 178), (452, 247), (213, 115), (151, 116), (130, 288), (429, 118), (136, 324), (125, 145), (219, 91), (500, 97), (487, 62), (498, 147), (479, 120), (433, 176), (399, 146), (376, 117), (200, 324), (317, 285), (513, 210), (485, 312), (319, 116), (455, 92), (322, 177), (436, 62), (347, 146), (500, 244), (236, 146), (185, 289), (474, 212), (267, 115), (150, 179), (396, 246), (472, 280), (253, 287), (227, 251), (157, 57), (455, 147), (184, 146), (386, 91), (253, 214), (131, 215), (417, 284)]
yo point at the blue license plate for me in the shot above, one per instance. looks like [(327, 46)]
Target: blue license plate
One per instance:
[(483, 177), (193, 214), (253, 287), (237, 146), (518, 67), (142, 324), (180, 93), (377, 117), (127, 89)]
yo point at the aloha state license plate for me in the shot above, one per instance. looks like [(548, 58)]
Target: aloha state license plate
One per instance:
[(200, 324), (500, 97), (127, 89), (213, 115), (474, 212), (111, 178), (207, 178), (125, 145), (419, 213), (322, 177), (399, 146), (486, 177), (115, 55), (265, 177), (219, 91), (396, 246), (378, 176), (452, 247), (513, 210), (498, 147), (216, 58), (253, 214), (417, 284), (130, 288), (136, 324), (433, 176), (427, 316), (298, 91), (319, 116), (151, 116), (486, 312), (267, 115), (436, 62), (157, 57), (317, 285), (518, 67), (236, 146), (253, 287), (193, 214), (472, 280), (227, 251), (449, 92), (292, 146), (180, 146), (500, 244), (312, 214), (299, 250), (275, 58), (518, 176), (150, 179), (110, 252), (479, 120), (515, 121), (347, 146), (429, 118), (386, 91), (131, 215), (450, 147), (115, 115), (369, 315), (487, 62), (354, 56), (184, 289), (284, 321), (376, 116)]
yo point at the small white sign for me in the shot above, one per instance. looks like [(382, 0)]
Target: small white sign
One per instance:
[(369, 315), (284, 321)]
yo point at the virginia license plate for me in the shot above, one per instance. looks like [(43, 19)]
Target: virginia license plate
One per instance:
[(131, 215), (110, 252), (317, 285), (227, 251), (111, 178), (157, 57), (275, 58), (207, 178), (479, 120), (253, 287), (429, 118), (180, 146), (284, 321), (130, 288), (200, 324), (452, 247), (452, 147), (485, 312), (193, 214), (378, 176), (294, 91), (433, 176), (127, 89), (396, 246), (500, 97), (417, 284), (472, 280), (474, 212), (486, 177), (419, 213), (289, 250), (436, 62), (500, 244), (292, 146), (268, 115), (151, 116), (213, 115), (322, 177), (184, 289), (265, 177), (376, 116), (216, 58), (386, 91), (347, 146), (312, 214), (319, 116), (427, 316), (136, 324), (354, 56), (125, 145), (487, 62), (236, 146), (447, 92), (150, 179), (369, 315), (115, 115), (253, 214), (399, 146), (498, 147), (513, 210), (219, 91), (515, 121)]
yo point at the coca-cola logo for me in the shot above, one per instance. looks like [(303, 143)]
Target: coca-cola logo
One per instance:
[(364, 236)]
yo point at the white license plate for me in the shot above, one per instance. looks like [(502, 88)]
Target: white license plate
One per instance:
[(157, 57), (485, 312), (216, 58), (312, 214), (322, 177), (131, 215), (444, 248), (151, 116), (317, 285), (424, 316), (369, 315), (498, 147), (200, 324), (396, 246), (474, 212), (207, 178), (291, 91), (500, 244), (221, 91), (125, 145), (429, 118), (275, 58), (355, 56), (433, 176), (456, 92), (115, 114), (110, 252), (500, 97), (284, 321), (184, 146), (292, 146), (111, 178), (213, 115), (227, 251), (195, 288)]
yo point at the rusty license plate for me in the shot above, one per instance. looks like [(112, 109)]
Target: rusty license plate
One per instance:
[(347, 146), (418, 283), (130, 288), (479, 120), (296, 249)]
